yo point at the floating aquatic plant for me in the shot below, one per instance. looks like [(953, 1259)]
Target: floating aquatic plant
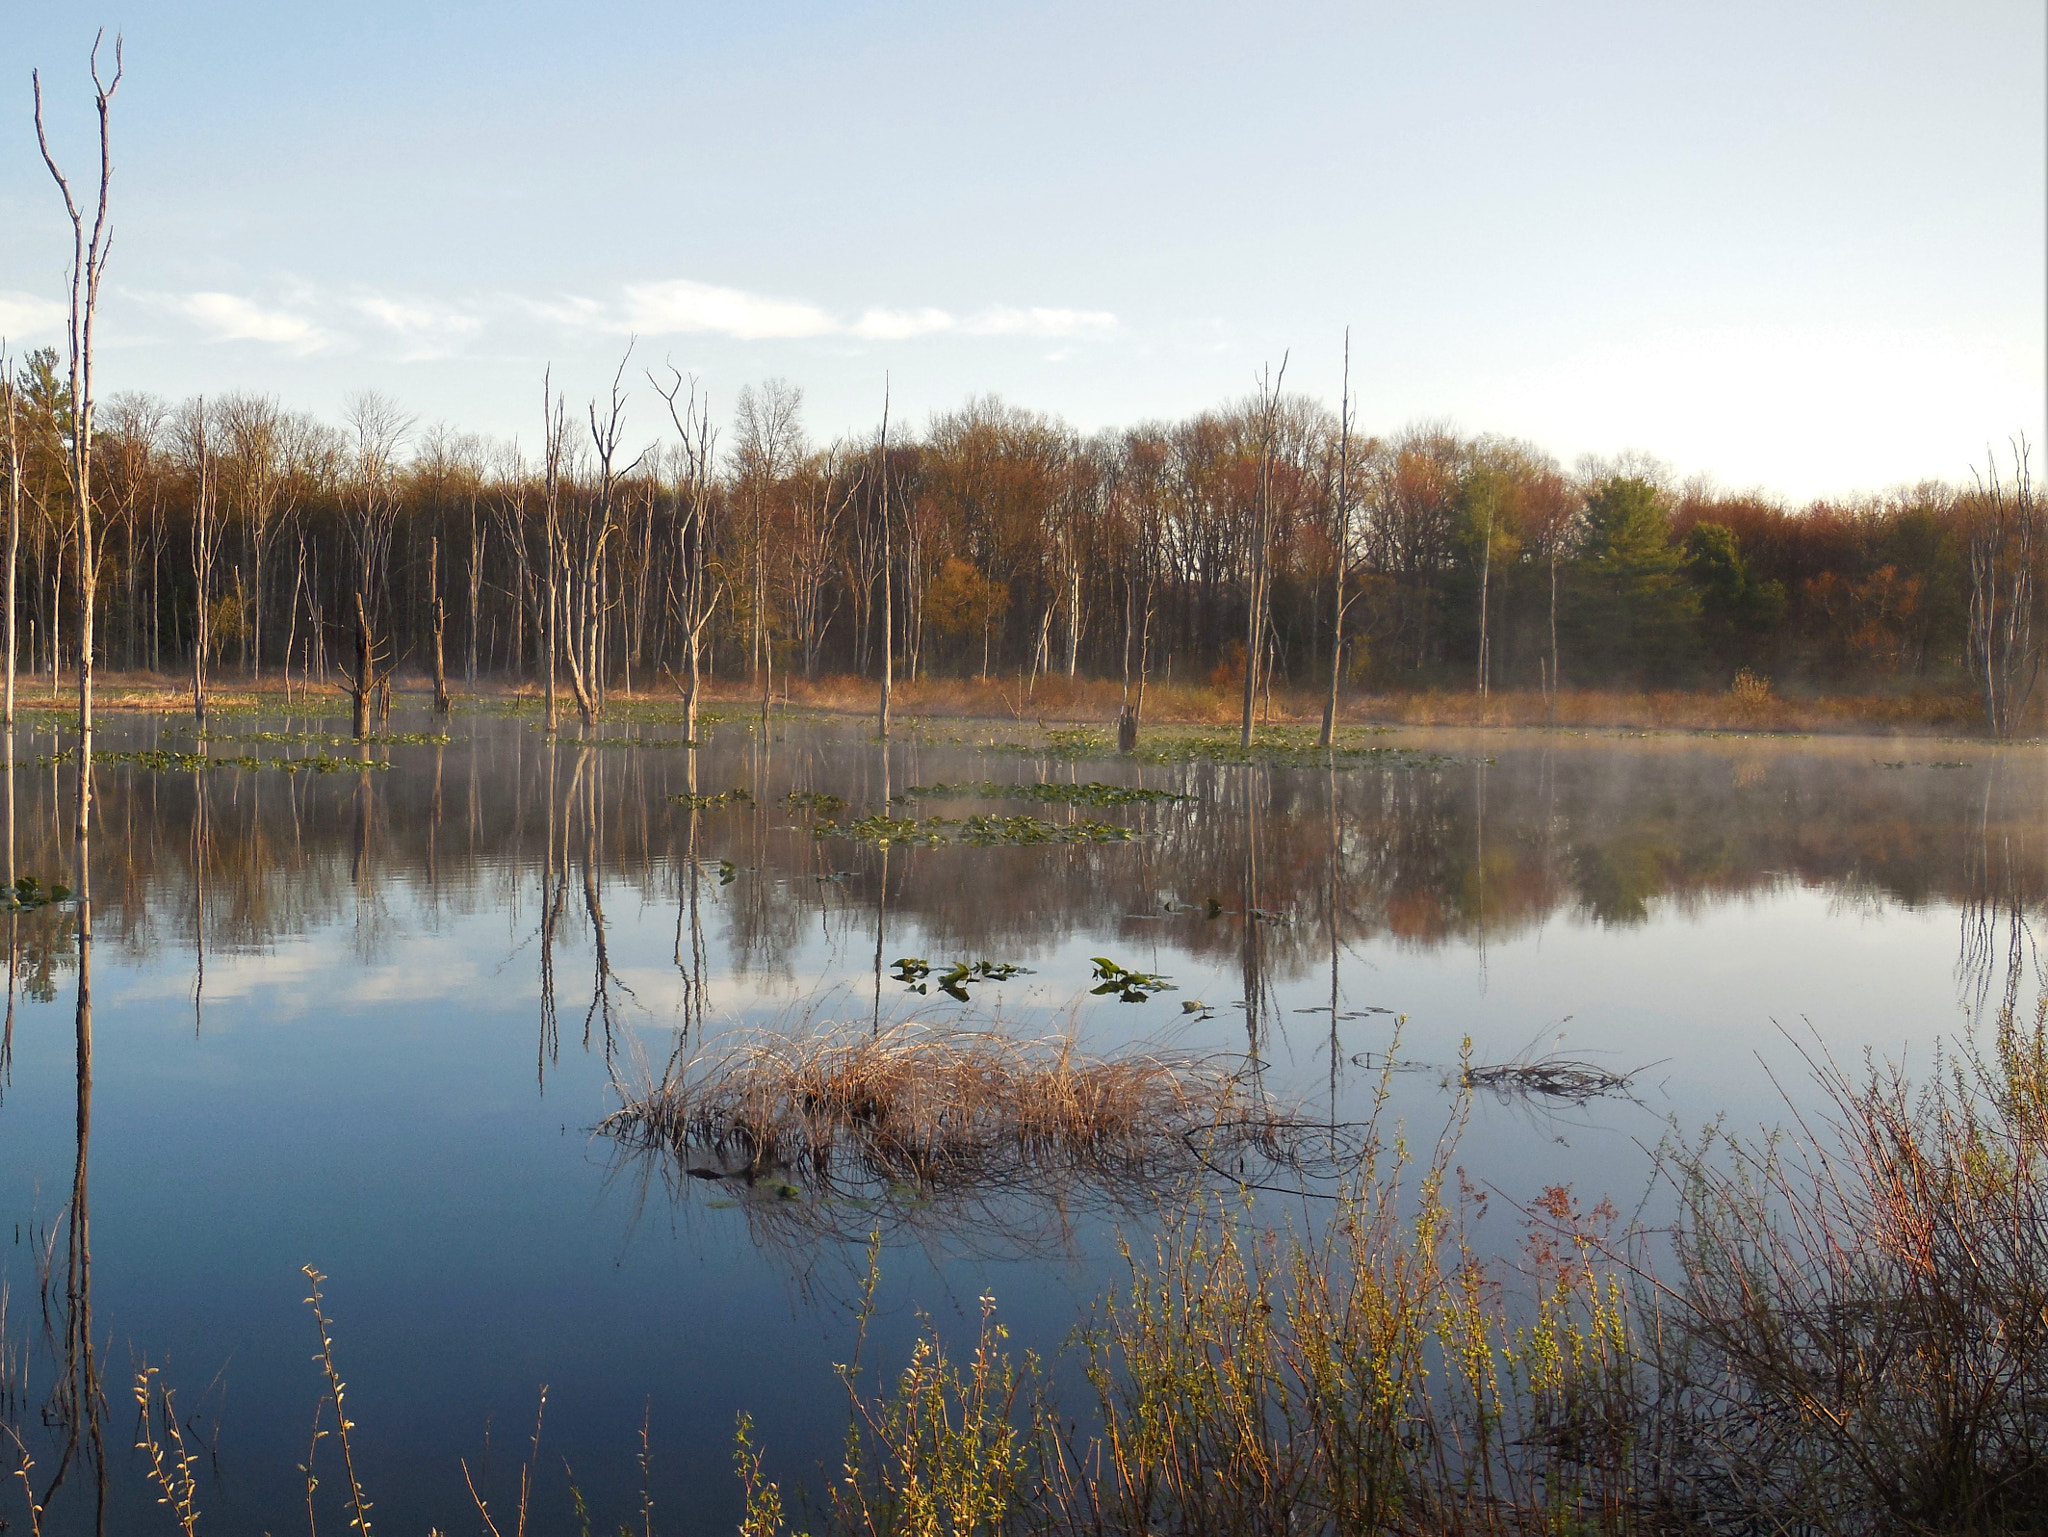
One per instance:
[(1091, 794), (915, 972), (1128, 986), (28, 894), (707, 802), (818, 801), (982, 832)]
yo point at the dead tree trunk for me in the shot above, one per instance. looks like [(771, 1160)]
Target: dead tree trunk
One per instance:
[(440, 625), (1340, 541), (88, 265)]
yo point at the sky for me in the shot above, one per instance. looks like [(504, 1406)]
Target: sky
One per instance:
[(1797, 247)]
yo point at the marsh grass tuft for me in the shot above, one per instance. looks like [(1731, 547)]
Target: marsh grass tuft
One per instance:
[(920, 1119)]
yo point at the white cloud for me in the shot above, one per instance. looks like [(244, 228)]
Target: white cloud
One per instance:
[(563, 310), (427, 328), (1041, 322), (899, 325), (418, 317), (25, 315), (231, 318), (680, 305)]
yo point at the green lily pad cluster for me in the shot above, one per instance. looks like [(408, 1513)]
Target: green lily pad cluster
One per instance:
[(706, 802), (1287, 748), (1091, 794), (1125, 985), (976, 831), (161, 760), (28, 894), (819, 801), (916, 973)]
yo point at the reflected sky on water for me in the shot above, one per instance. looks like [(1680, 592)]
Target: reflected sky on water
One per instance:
[(367, 1019)]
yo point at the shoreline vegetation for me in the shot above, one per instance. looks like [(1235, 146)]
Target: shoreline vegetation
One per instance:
[(1753, 705), (1844, 1329)]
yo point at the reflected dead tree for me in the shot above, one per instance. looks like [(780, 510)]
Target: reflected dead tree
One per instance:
[(1997, 946), (1259, 1007), (1335, 897), (689, 912), (552, 898), (882, 899), (202, 851), (13, 923), (586, 790), (77, 1402)]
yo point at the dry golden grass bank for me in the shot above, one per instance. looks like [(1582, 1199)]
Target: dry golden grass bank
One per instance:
[(1752, 705)]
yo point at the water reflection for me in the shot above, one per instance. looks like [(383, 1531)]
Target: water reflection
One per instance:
[(1470, 853), (386, 950)]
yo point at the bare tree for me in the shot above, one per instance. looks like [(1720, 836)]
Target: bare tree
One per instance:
[(1260, 576), (555, 438), (697, 595), (1340, 554), (888, 601), (585, 564), (195, 429), (2005, 554), (768, 429), (376, 427), (440, 623), (88, 265), (13, 525), (254, 430)]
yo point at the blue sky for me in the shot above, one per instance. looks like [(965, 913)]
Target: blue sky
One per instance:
[(1800, 246)]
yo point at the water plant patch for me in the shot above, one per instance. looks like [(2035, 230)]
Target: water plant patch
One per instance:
[(979, 832), (1093, 793), (919, 975), (1126, 985)]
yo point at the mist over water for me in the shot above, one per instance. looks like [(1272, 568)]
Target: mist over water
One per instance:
[(367, 1019)]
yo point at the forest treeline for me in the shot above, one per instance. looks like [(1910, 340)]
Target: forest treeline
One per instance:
[(246, 537)]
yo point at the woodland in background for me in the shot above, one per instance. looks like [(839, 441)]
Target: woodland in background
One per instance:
[(235, 534)]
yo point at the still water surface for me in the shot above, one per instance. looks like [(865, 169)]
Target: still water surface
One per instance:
[(369, 1020)]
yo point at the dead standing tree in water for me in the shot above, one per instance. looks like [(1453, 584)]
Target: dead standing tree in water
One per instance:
[(441, 704), (1259, 563), (14, 462), (888, 589), (554, 442), (2005, 557), (78, 1397), (195, 427), (88, 265), (697, 597), (376, 428), (1340, 549), (585, 588)]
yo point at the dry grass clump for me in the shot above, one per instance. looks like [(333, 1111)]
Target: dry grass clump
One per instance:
[(847, 1114)]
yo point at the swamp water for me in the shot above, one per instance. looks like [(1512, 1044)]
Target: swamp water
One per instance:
[(368, 1019)]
